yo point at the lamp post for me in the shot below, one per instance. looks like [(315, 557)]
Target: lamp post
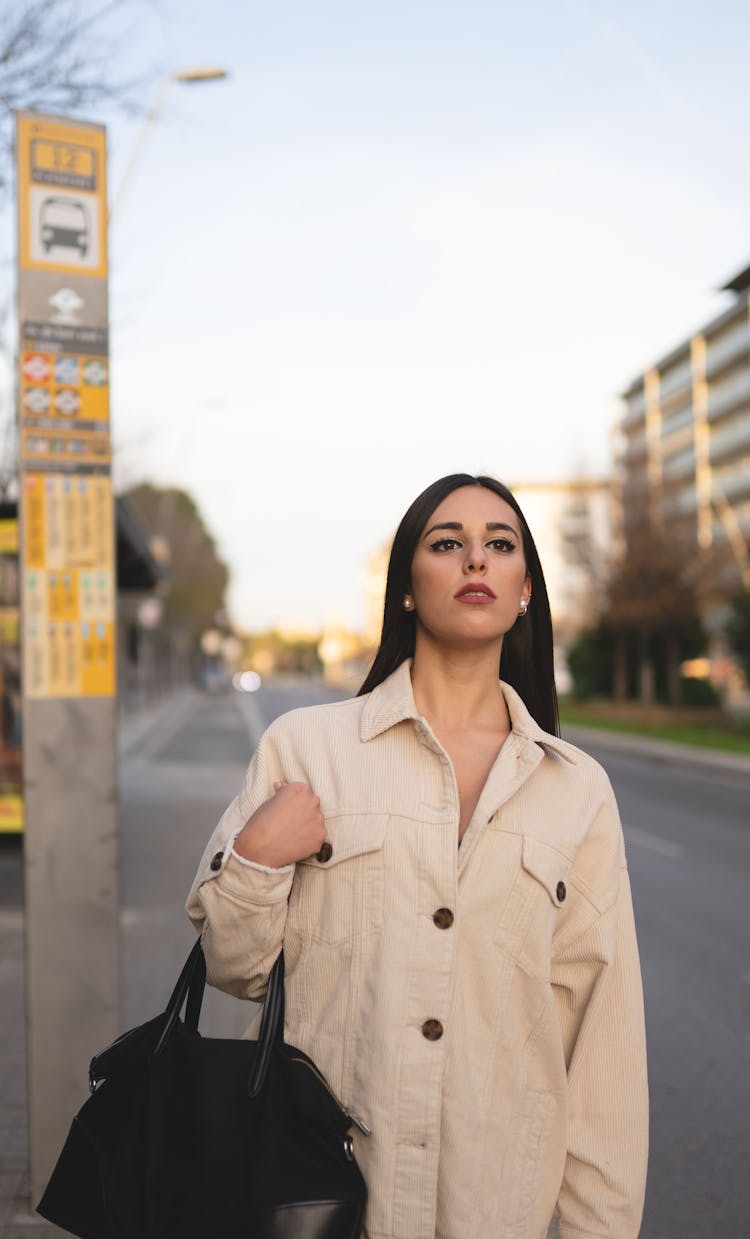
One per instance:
[(186, 76)]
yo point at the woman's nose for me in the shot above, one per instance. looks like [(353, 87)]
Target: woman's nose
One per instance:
[(476, 559)]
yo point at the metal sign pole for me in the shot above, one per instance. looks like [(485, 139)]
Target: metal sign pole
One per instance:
[(67, 572)]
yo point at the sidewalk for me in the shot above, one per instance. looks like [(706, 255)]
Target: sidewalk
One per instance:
[(16, 1221), (14, 1216), (659, 751), (134, 727)]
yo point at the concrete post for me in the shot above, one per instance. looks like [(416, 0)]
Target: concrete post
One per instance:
[(72, 922)]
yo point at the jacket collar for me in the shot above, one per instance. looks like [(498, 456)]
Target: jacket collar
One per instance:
[(393, 701)]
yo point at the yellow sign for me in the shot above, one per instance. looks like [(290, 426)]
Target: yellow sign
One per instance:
[(67, 550), (11, 812), (11, 802), (69, 586), (8, 537), (77, 447), (71, 388), (62, 210), (55, 162)]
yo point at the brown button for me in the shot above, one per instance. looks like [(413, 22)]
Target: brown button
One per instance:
[(325, 853), (432, 1030), (443, 918), (561, 892), (216, 861)]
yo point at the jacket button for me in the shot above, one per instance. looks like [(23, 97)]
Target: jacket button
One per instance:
[(443, 918), (325, 853), (561, 892), (432, 1030), (216, 861)]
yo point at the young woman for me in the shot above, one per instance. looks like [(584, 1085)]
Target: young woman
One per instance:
[(448, 881)]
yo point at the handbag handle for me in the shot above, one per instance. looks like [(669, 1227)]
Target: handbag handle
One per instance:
[(191, 985), (271, 1026)]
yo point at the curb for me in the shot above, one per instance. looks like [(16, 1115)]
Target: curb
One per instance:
[(658, 750)]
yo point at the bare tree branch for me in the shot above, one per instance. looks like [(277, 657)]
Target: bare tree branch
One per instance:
[(56, 57)]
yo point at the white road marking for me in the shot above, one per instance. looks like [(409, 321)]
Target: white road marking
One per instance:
[(662, 847)]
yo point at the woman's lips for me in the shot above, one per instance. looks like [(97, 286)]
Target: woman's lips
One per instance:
[(478, 595)]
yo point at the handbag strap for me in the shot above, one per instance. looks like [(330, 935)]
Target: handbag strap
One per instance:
[(195, 992), (191, 984), (271, 1026)]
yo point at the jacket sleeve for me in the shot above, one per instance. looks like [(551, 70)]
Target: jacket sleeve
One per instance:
[(597, 984), (239, 907)]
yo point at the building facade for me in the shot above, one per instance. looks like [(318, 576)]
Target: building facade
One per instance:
[(684, 455)]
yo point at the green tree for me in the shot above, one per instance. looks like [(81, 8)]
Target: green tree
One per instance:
[(195, 578), (652, 605), (738, 631), (590, 662)]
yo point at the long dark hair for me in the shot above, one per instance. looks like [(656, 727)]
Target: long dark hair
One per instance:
[(526, 662)]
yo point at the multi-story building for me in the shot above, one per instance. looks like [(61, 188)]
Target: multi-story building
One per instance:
[(685, 452)]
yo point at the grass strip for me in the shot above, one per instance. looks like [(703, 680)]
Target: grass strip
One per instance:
[(709, 736)]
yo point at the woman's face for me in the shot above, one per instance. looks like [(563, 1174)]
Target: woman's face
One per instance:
[(468, 572)]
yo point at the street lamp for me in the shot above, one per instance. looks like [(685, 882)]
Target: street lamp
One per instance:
[(198, 75), (188, 77)]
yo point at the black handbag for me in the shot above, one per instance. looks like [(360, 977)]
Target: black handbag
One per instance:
[(186, 1137)]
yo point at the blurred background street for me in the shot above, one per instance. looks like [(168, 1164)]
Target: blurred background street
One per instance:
[(326, 254), (688, 840)]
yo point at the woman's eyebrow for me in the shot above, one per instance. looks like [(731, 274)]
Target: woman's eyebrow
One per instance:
[(491, 527), (455, 525)]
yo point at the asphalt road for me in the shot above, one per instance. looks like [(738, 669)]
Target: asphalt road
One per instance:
[(688, 841), (688, 838)]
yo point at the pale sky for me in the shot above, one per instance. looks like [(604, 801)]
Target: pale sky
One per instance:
[(404, 239)]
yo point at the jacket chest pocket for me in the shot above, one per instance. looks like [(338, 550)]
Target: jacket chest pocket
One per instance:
[(545, 878), (339, 899)]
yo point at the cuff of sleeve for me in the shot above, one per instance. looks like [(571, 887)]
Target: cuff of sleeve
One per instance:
[(252, 883), (251, 864)]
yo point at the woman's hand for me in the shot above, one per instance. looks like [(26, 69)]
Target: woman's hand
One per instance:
[(285, 829)]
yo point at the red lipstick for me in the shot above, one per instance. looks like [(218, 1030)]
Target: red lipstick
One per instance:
[(476, 593)]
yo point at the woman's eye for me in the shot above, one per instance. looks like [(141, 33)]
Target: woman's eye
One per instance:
[(502, 544), (444, 544)]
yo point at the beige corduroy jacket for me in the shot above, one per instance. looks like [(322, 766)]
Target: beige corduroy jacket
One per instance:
[(480, 1007)]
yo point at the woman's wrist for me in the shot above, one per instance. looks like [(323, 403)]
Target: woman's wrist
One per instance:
[(250, 846), (246, 846)]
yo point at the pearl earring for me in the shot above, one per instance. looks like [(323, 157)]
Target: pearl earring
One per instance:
[(523, 607), (408, 602)]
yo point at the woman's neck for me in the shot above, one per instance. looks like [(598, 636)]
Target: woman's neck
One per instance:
[(454, 688)]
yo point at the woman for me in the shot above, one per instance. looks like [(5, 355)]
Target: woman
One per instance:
[(448, 880)]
